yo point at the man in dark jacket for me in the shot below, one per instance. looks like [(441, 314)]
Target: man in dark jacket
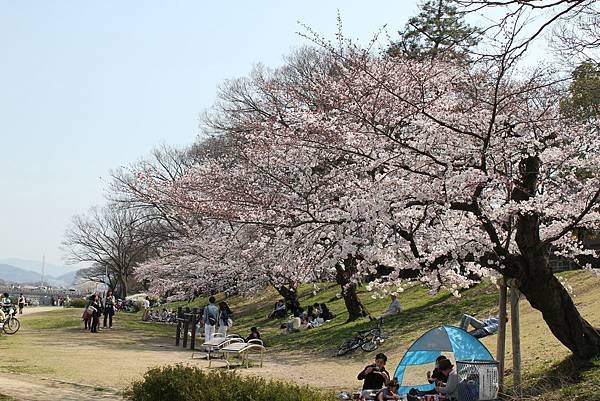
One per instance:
[(375, 376)]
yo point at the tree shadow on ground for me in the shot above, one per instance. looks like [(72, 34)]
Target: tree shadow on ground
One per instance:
[(566, 377)]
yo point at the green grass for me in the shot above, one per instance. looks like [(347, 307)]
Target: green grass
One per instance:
[(6, 398), (133, 321), (70, 318), (422, 311), (571, 379), (54, 320), (23, 366)]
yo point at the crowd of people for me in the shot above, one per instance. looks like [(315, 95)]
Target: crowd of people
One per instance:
[(377, 380), (300, 318), (97, 307)]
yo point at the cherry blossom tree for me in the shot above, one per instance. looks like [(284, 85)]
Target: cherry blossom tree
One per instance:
[(368, 166), (474, 169)]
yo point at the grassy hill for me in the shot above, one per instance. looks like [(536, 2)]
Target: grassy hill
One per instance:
[(549, 371)]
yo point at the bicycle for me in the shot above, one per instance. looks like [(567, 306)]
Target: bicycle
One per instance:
[(368, 340), (11, 323), (377, 337)]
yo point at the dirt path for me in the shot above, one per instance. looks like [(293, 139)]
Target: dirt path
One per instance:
[(31, 388), (54, 364)]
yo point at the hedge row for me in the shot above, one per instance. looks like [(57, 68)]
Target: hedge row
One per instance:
[(189, 383)]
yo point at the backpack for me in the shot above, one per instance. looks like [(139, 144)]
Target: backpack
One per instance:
[(211, 320)]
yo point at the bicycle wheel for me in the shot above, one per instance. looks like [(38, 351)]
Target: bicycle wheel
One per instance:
[(11, 326), (370, 346), (344, 348), (347, 346)]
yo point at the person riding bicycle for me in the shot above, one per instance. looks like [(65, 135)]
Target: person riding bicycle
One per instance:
[(2, 314), (5, 307), (6, 303)]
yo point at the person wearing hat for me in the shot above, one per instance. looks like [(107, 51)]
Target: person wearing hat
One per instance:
[(437, 375), (450, 389)]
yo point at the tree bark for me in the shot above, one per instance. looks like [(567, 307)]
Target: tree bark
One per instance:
[(536, 280), (546, 294), (122, 281), (344, 273)]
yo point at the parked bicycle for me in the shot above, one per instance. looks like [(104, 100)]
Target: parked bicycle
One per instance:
[(130, 306), (367, 340), (164, 316)]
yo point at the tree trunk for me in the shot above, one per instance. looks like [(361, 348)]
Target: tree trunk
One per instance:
[(344, 272), (290, 295), (546, 294), (122, 281), (536, 280)]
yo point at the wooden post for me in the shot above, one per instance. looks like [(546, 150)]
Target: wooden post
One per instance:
[(501, 344), (516, 340), (194, 320), (186, 326), (179, 323)]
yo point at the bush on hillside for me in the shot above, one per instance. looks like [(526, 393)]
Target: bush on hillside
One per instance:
[(77, 303), (189, 383)]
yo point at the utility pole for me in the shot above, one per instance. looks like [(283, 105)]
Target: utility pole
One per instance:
[(516, 338), (501, 344), (43, 268)]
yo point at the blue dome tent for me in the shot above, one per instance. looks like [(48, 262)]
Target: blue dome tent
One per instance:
[(422, 354)]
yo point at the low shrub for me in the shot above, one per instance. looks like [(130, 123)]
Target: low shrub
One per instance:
[(190, 383), (77, 303)]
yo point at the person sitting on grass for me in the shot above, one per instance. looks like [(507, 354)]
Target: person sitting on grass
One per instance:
[(254, 334), (375, 376), (326, 315), (390, 392), (450, 388), (394, 308), (279, 310), (293, 325)]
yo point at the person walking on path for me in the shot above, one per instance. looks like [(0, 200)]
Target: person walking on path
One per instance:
[(109, 309), (210, 318), (95, 308), (225, 315), (146, 306), (87, 314), (21, 303)]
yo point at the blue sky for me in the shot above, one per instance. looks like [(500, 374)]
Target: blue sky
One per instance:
[(87, 86)]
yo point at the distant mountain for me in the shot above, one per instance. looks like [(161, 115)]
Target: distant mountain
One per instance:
[(36, 266), (13, 274), (68, 278)]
